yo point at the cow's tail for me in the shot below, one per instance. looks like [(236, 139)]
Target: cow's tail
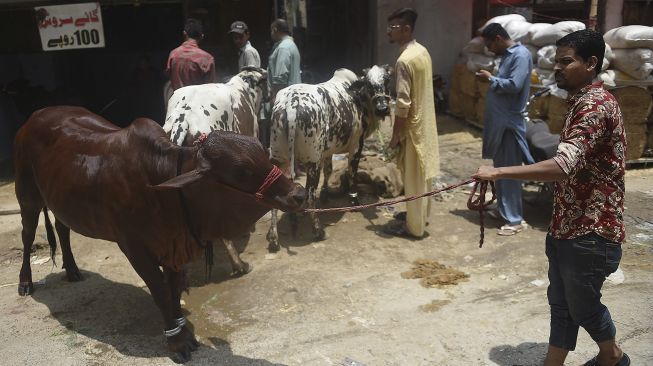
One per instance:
[(52, 240), (292, 127)]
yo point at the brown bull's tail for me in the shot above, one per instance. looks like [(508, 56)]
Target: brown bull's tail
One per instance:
[(208, 257), (52, 240)]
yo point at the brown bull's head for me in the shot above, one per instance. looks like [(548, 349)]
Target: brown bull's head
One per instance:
[(221, 190), (373, 89)]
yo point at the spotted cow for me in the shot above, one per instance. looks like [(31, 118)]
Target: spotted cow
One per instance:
[(310, 123), (234, 106)]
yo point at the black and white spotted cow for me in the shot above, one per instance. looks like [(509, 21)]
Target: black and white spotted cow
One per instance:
[(310, 123), (233, 106)]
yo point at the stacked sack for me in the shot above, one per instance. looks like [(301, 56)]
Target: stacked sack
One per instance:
[(632, 46)]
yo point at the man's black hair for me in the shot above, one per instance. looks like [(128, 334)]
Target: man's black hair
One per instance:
[(193, 28), (407, 16), (586, 43), (492, 30), (281, 25)]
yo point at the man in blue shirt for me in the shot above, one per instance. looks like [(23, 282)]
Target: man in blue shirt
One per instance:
[(504, 128), (283, 65)]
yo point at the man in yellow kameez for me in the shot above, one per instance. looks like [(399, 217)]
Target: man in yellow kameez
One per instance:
[(414, 128)]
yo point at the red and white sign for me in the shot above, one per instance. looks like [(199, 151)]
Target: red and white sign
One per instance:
[(67, 27)]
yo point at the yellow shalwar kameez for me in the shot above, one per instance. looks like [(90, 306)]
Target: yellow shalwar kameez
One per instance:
[(419, 159)]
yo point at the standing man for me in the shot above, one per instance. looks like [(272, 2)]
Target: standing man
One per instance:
[(188, 64), (414, 130), (283, 65), (283, 70), (583, 245), (247, 55), (504, 128)]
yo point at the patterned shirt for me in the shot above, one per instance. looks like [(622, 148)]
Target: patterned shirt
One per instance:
[(592, 154), (190, 65)]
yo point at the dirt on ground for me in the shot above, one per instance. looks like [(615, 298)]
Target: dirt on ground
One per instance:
[(343, 301)]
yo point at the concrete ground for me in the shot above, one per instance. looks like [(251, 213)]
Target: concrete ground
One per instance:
[(341, 301)]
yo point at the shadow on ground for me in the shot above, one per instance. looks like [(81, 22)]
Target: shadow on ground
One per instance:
[(537, 213), (524, 354), (304, 235), (123, 316)]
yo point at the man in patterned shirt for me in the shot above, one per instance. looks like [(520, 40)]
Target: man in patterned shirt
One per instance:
[(583, 245), (188, 64)]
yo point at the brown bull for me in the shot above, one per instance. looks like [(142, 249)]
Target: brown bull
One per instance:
[(133, 186)]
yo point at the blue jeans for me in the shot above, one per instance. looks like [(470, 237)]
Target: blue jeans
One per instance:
[(577, 269)]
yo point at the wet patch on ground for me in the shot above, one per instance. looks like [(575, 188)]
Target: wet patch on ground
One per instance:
[(434, 274)]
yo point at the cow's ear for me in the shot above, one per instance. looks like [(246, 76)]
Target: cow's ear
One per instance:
[(389, 70), (180, 181), (357, 87)]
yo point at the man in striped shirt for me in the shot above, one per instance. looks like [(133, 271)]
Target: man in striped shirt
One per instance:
[(188, 64)]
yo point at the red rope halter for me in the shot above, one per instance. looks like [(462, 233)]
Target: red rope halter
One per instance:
[(272, 177)]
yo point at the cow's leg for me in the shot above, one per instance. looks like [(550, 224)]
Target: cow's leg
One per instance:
[(353, 172), (72, 271), (327, 169), (180, 338), (239, 267), (273, 234), (30, 220), (312, 180)]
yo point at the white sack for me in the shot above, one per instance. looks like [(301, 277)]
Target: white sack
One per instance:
[(533, 51), (549, 35), (535, 27), (607, 77), (636, 62), (543, 75), (476, 62), (546, 57), (503, 20), (477, 45), (519, 31), (630, 36)]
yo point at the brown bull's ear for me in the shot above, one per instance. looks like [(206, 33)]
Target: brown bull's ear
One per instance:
[(180, 181)]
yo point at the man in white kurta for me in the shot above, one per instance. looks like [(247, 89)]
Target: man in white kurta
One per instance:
[(414, 128)]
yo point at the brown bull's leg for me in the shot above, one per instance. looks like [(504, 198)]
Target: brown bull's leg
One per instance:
[(273, 234), (327, 169), (239, 267), (72, 271), (312, 180), (30, 220), (180, 339), (178, 283)]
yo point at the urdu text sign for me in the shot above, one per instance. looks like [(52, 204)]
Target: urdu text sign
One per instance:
[(67, 27)]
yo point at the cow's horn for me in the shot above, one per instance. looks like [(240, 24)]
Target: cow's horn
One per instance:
[(180, 181)]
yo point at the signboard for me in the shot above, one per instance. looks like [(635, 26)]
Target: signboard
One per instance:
[(68, 27)]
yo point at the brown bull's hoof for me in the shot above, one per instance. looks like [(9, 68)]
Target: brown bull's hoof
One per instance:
[(25, 288), (182, 345), (245, 269)]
